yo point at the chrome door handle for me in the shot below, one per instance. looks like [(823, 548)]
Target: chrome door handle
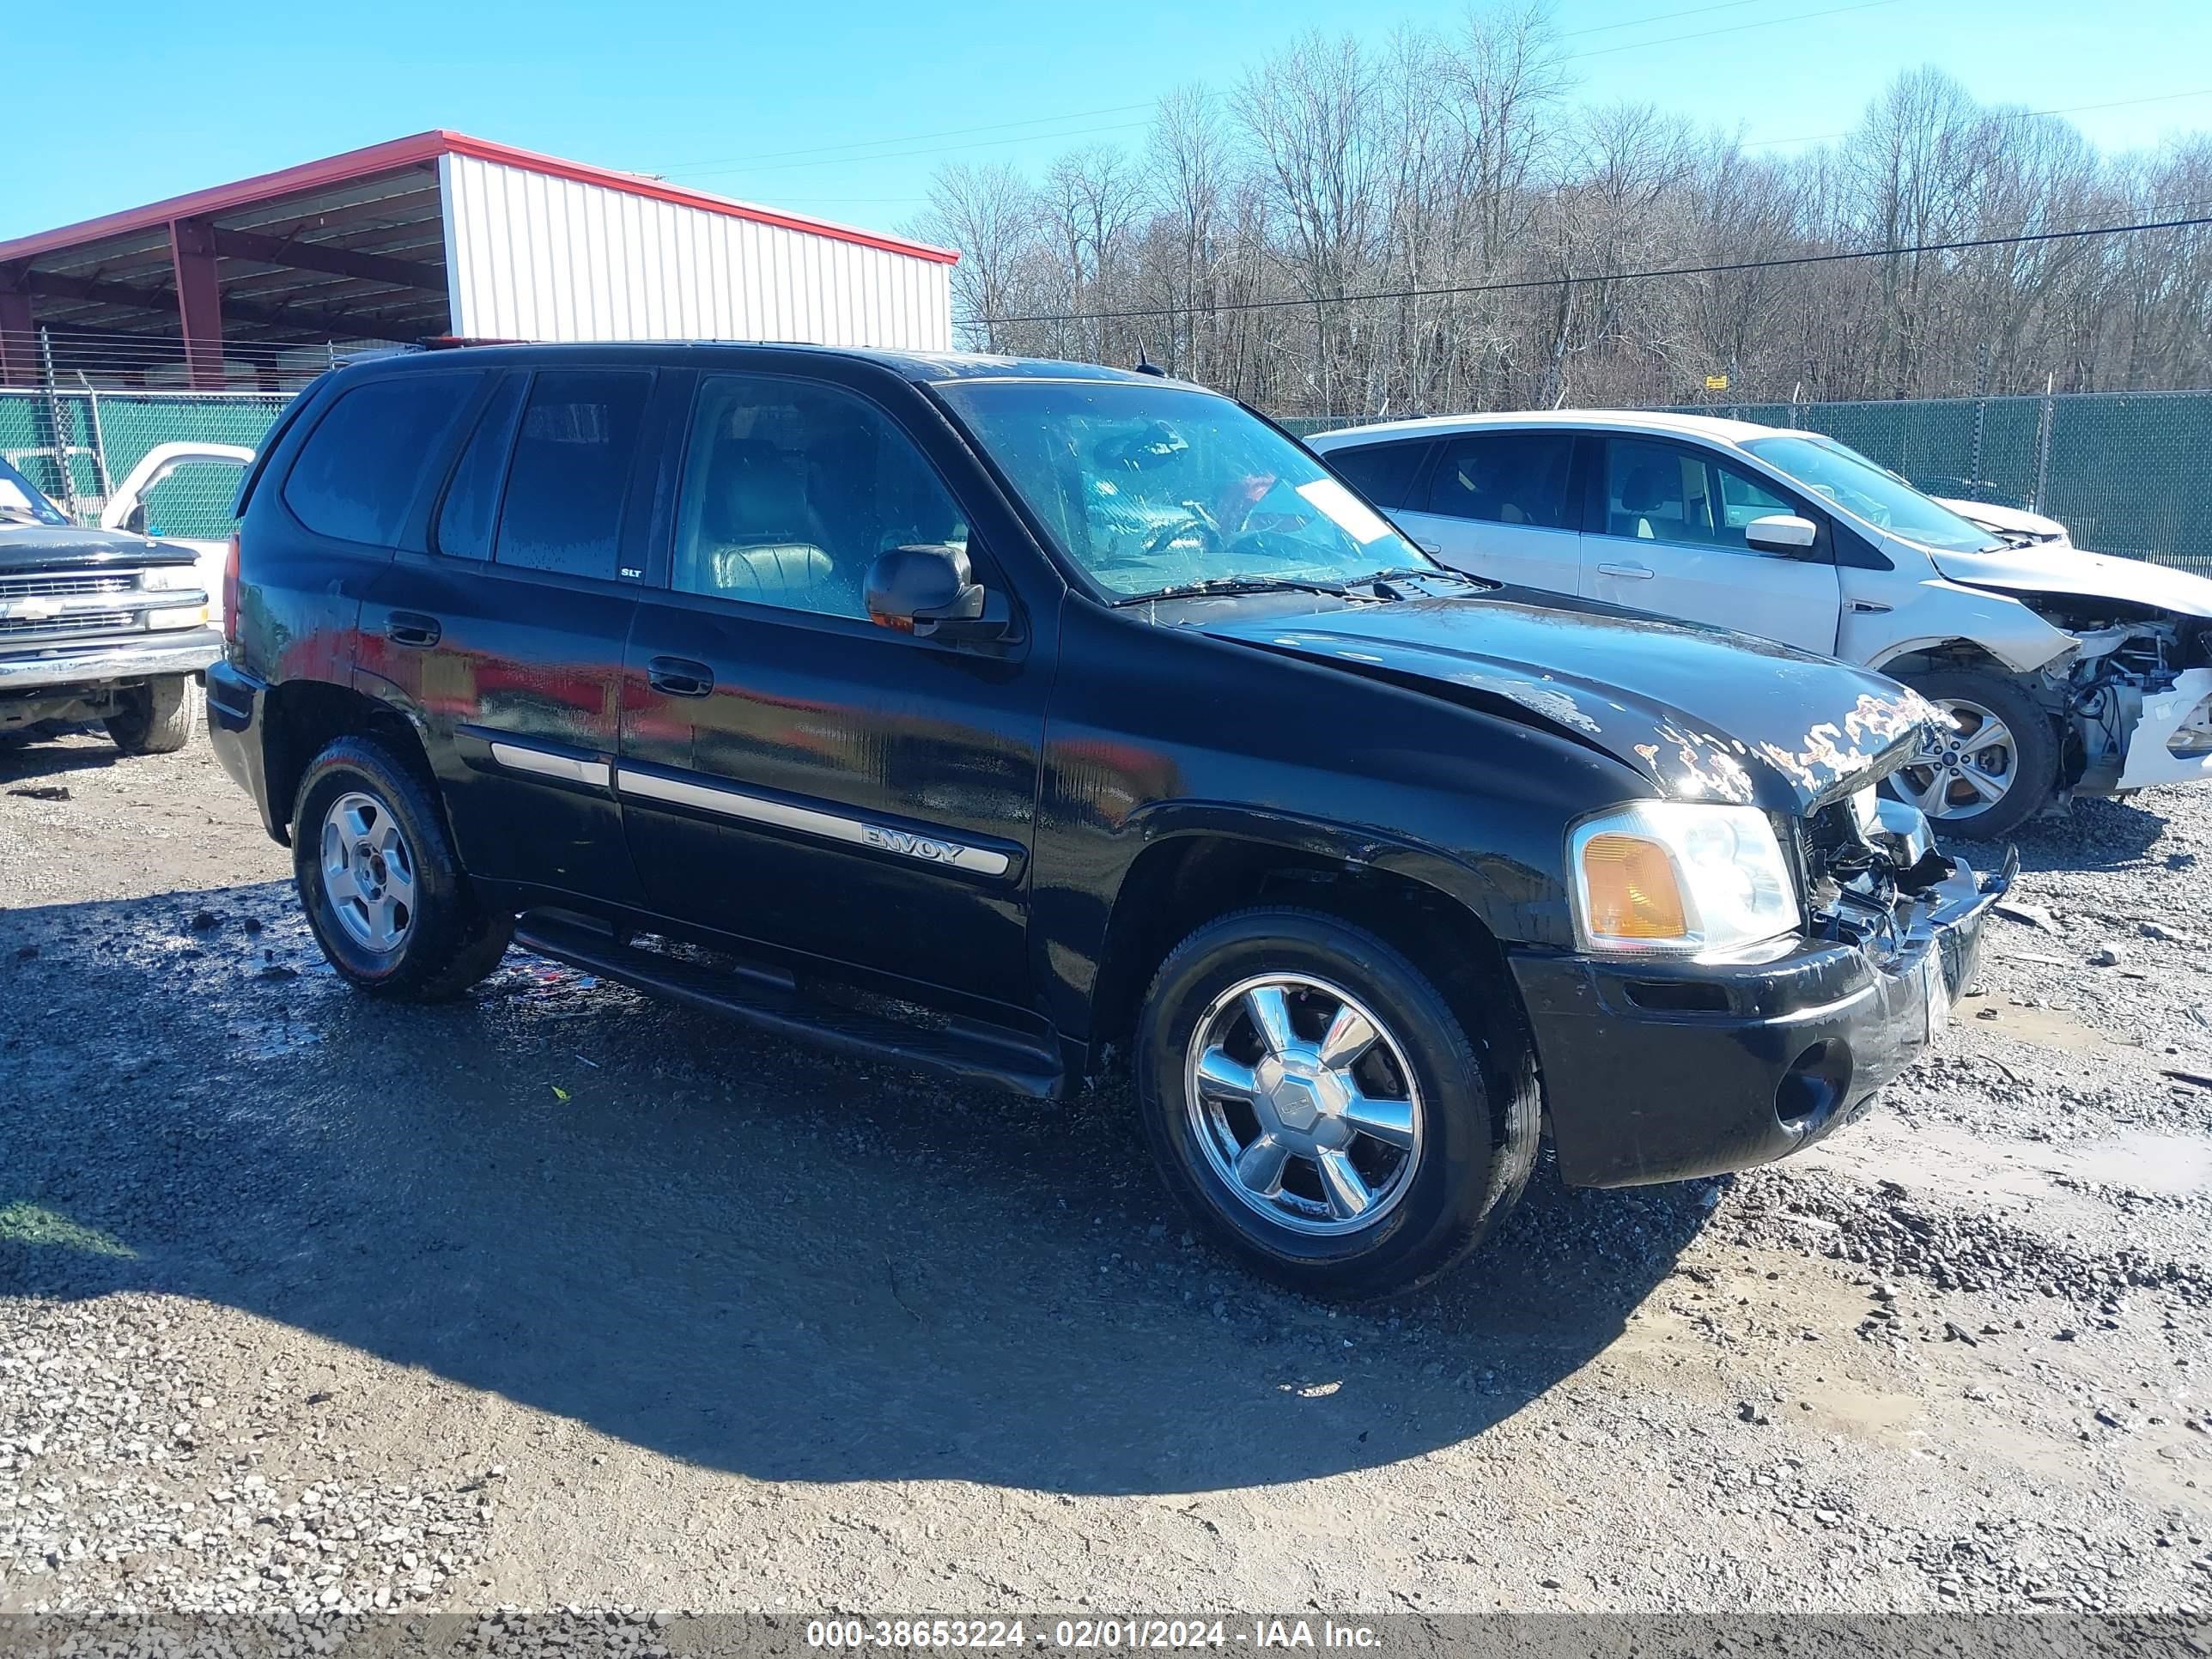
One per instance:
[(1434, 550), (1634, 571)]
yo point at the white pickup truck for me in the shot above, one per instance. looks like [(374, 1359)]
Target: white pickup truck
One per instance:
[(2065, 672), (109, 625)]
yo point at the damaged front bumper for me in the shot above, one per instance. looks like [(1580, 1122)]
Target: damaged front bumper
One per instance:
[(1661, 1070), (2179, 719)]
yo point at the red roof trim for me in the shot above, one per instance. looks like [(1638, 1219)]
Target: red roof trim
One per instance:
[(631, 184), (423, 147)]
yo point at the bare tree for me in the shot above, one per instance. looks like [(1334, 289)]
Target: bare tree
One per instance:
[(1432, 222)]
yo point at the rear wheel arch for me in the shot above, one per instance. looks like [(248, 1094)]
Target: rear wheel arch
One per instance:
[(302, 717)]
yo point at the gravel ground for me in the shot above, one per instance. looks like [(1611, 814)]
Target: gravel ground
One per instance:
[(557, 1297)]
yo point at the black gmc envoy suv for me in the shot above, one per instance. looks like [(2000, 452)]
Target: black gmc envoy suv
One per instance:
[(997, 716)]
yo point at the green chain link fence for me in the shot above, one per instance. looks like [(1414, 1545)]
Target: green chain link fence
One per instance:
[(78, 445), (2125, 472)]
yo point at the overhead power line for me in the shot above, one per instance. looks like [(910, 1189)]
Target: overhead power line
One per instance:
[(912, 137), (2064, 109), (1612, 276), (1660, 17), (1730, 28), (941, 149)]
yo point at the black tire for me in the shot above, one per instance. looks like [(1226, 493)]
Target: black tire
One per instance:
[(2033, 767), (156, 717), (1477, 1092), (450, 941)]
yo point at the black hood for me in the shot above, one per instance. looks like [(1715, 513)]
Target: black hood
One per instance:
[(64, 547), (1704, 713)]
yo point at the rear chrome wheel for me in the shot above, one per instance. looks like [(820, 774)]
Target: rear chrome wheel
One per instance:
[(390, 904), (1303, 1103), (369, 873)]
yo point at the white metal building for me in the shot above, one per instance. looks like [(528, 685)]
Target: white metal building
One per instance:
[(443, 236)]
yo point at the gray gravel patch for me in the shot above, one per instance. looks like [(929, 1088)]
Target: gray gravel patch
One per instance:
[(557, 1297)]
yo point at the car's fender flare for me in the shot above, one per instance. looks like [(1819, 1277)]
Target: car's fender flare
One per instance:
[(1993, 623), (1357, 845)]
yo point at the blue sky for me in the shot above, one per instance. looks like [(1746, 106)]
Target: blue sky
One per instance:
[(845, 110)]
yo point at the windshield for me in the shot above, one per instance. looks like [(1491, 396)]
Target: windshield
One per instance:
[(21, 501), (1152, 488), (1874, 493)]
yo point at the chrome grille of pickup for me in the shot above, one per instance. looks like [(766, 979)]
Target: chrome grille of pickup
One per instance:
[(78, 621), (69, 586)]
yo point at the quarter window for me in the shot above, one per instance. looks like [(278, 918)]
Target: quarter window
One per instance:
[(1505, 478), (464, 523), (358, 473), (570, 476), (792, 491)]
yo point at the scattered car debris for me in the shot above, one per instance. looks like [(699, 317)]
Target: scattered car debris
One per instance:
[(2034, 915)]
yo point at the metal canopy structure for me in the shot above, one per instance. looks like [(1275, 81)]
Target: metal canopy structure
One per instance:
[(361, 247)]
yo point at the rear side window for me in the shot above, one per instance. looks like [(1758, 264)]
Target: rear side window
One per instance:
[(1384, 473), (1505, 478), (464, 523), (359, 468), (566, 485)]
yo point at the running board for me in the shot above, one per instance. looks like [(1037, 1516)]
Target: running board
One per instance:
[(964, 1050)]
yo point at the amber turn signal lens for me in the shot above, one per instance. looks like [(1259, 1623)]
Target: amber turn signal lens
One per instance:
[(1632, 890)]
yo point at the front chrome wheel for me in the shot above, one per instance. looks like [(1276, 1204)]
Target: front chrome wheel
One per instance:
[(1304, 1104), (368, 873), (1965, 772)]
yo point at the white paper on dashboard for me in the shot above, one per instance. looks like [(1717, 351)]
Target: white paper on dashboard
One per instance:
[(1351, 514)]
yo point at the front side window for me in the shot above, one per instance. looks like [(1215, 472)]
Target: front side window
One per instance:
[(1662, 492), (1872, 493), (21, 501), (1506, 478), (1152, 487), (792, 489), (358, 473), (562, 509)]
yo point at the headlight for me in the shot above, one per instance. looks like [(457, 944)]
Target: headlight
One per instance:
[(1680, 876), (189, 615), (170, 577)]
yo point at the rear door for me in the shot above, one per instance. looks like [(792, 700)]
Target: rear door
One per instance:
[(507, 630), (1501, 504), (1667, 536), (792, 773)]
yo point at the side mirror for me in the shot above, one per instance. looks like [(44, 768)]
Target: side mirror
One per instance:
[(931, 591), (1782, 533), (136, 523)]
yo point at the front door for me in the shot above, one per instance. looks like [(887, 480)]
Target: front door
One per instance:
[(1668, 538), (1498, 504), (792, 774)]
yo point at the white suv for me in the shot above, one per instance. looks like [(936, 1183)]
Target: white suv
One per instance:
[(2065, 672)]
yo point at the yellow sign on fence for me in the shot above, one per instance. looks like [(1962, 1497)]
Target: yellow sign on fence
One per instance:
[(1716, 383)]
